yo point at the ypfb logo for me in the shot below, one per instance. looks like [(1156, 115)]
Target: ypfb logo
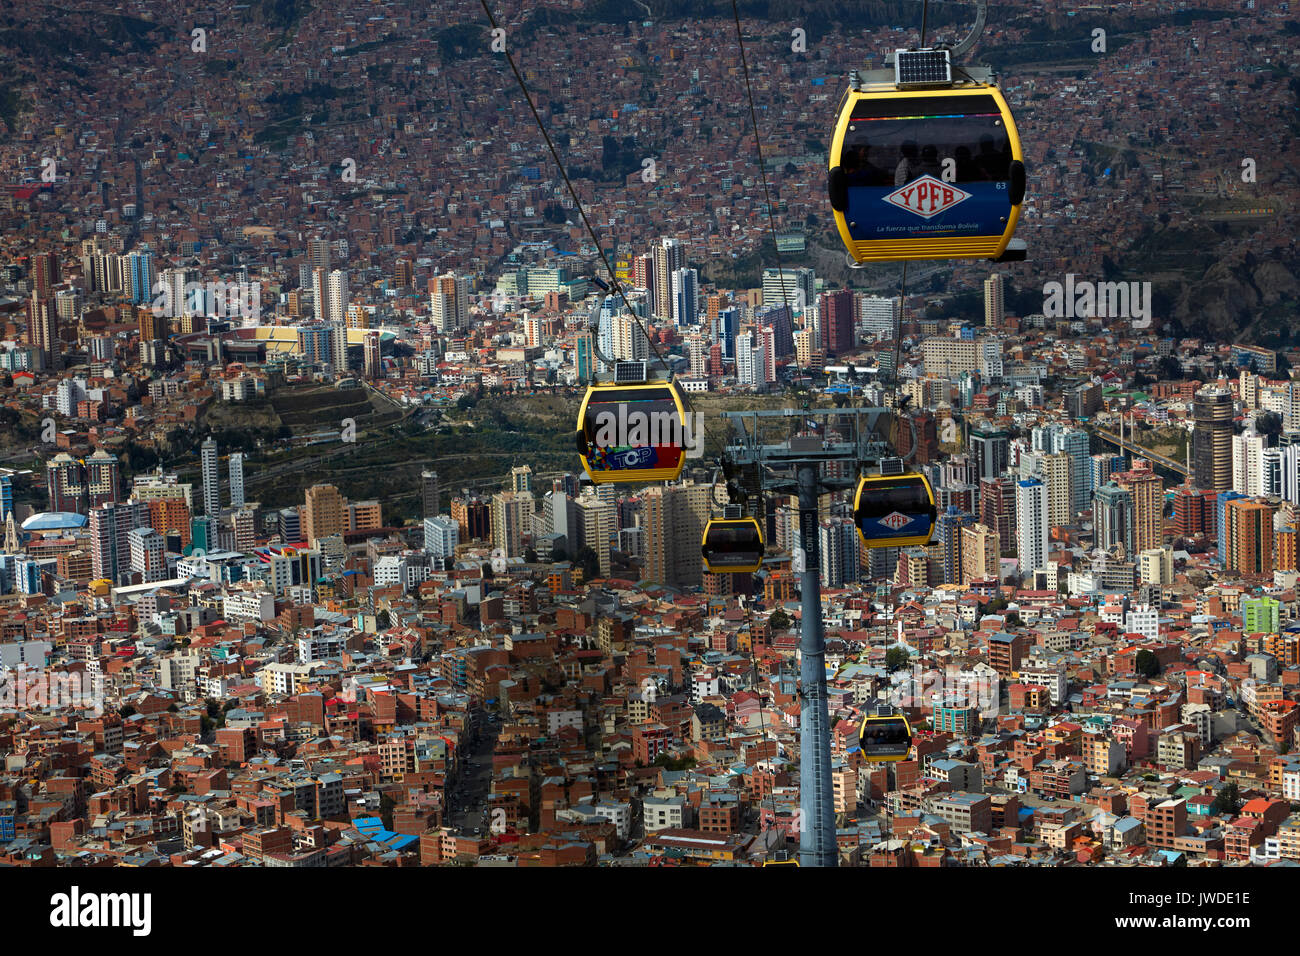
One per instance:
[(895, 521), (927, 197)]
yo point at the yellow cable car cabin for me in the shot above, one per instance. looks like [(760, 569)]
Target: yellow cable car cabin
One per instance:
[(923, 166), (895, 511), (885, 738), (732, 545), (632, 432), (782, 859)]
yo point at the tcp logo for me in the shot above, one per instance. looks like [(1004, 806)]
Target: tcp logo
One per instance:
[(927, 197)]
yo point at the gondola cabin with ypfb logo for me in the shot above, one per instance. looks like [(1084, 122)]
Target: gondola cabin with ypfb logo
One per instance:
[(632, 426), (894, 511), (926, 163)]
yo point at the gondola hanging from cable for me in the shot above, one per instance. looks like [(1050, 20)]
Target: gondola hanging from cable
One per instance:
[(632, 427), (925, 161), (894, 511), (632, 432), (934, 174), (885, 738), (732, 545)]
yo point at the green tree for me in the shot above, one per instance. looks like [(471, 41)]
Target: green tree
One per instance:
[(530, 556), (896, 658), (1270, 424), (590, 561), (669, 762), (1146, 664), (779, 621), (1227, 801), (1170, 368), (383, 620)]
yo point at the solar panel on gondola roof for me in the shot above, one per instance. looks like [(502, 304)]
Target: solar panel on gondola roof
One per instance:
[(629, 372), (916, 67)]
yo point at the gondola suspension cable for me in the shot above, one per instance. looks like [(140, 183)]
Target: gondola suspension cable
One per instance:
[(573, 193), (577, 202), (902, 285), (762, 167), (785, 301), (762, 723), (898, 357), (898, 334), (586, 223)]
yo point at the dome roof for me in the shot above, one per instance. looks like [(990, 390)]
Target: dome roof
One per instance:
[(54, 521)]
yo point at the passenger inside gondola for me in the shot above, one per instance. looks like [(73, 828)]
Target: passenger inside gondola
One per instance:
[(905, 171), (858, 168), (966, 169), (929, 165), (993, 165)]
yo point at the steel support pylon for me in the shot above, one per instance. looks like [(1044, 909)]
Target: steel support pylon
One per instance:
[(816, 801), (857, 441)]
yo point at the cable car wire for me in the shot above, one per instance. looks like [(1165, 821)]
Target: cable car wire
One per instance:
[(898, 357), (762, 170), (577, 202), (758, 146), (898, 334), (902, 284), (523, 87)]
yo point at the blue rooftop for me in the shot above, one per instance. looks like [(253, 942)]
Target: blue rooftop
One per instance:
[(54, 521)]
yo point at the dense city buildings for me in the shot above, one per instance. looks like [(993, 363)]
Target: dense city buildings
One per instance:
[(300, 566)]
